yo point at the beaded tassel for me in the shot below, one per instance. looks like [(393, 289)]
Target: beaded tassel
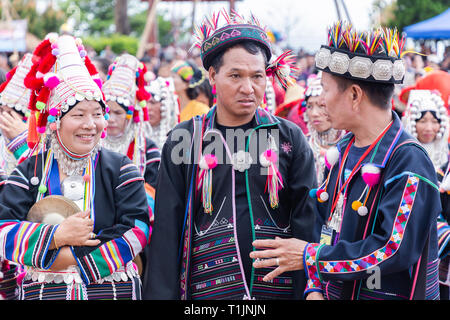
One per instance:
[(207, 191), (273, 184), (274, 180), (207, 163)]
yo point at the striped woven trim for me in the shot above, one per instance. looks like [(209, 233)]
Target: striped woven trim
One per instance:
[(390, 248), (114, 254), (26, 243)]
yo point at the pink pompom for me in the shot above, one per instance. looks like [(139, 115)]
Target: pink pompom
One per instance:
[(107, 109), (51, 81), (8, 76), (271, 155), (103, 136), (211, 161), (41, 130), (131, 108), (371, 174), (53, 126), (136, 119), (20, 277), (53, 112)]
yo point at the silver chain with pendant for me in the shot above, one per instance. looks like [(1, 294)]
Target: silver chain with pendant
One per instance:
[(69, 166), (336, 218)]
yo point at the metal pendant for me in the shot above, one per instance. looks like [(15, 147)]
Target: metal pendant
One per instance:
[(73, 187), (337, 214)]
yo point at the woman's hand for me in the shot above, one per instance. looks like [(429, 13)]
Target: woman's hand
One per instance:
[(11, 124), (287, 254), (315, 296), (63, 260), (76, 230)]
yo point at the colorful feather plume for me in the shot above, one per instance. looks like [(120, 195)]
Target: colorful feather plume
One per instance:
[(375, 42), (283, 69)]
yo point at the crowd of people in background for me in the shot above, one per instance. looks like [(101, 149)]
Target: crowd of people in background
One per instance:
[(171, 89)]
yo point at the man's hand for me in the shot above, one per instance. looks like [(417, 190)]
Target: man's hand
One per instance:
[(286, 253)]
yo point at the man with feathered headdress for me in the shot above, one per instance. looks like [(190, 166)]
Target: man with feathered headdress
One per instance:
[(379, 203), (244, 174)]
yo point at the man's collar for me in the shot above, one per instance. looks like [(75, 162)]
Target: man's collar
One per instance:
[(381, 153), (262, 117)]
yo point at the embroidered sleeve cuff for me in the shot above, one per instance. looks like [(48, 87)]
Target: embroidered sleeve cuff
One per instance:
[(310, 255), (18, 145), (38, 255), (88, 269)]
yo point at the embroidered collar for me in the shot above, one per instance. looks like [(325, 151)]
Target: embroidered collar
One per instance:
[(262, 117), (381, 153)]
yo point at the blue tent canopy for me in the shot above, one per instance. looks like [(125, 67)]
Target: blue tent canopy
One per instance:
[(437, 27)]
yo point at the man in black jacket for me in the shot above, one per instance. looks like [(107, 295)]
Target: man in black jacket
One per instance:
[(234, 175)]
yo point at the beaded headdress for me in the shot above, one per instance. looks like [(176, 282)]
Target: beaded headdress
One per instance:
[(373, 56), (125, 84), (419, 102), (184, 70), (163, 90), (212, 39), (13, 92), (61, 76)]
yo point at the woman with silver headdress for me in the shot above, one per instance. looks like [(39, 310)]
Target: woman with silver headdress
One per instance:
[(427, 119), (321, 135), (163, 109), (127, 97), (79, 214)]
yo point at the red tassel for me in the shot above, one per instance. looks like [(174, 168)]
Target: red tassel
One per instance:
[(145, 111), (42, 48), (42, 121), (3, 85), (10, 73), (143, 94), (90, 66), (43, 95), (136, 116), (46, 63), (32, 138), (30, 81), (32, 102)]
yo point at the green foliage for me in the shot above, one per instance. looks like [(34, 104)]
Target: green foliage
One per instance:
[(119, 43), (407, 12), (96, 17), (39, 25)]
